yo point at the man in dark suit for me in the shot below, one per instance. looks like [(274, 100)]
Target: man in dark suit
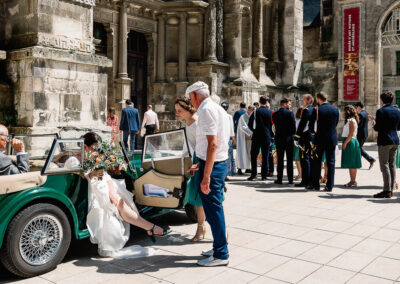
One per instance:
[(261, 125), (362, 132), (387, 124), (130, 124), (285, 128), (8, 166), (326, 117), (303, 138)]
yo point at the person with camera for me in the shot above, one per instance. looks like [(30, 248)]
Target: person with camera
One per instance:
[(7, 165)]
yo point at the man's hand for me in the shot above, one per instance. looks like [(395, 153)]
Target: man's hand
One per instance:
[(18, 145), (205, 185), (137, 132)]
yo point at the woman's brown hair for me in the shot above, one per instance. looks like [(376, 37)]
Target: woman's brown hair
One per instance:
[(185, 104), (350, 112), (299, 112)]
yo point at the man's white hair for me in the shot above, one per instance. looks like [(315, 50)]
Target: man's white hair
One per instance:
[(203, 93)]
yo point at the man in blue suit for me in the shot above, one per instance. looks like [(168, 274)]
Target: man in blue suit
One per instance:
[(362, 132), (303, 137), (387, 124), (285, 128), (130, 124), (260, 123), (326, 117)]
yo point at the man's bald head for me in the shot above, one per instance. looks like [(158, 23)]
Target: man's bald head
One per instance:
[(3, 130)]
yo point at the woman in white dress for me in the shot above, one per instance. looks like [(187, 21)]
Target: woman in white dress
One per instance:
[(111, 210)]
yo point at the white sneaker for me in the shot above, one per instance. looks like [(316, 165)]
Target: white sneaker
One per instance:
[(211, 261), (207, 252)]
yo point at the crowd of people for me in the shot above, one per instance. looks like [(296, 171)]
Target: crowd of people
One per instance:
[(309, 139)]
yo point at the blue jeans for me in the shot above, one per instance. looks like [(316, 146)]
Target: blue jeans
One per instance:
[(212, 204), (125, 138)]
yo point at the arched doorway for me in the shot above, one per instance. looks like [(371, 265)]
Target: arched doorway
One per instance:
[(389, 52), (137, 69)]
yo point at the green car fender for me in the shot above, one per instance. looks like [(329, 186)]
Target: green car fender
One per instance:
[(13, 203)]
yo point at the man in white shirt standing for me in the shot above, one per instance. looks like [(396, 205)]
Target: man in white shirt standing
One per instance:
[(150, 121), (212, 138)]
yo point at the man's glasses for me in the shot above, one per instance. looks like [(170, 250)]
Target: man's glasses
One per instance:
[(7, 137)]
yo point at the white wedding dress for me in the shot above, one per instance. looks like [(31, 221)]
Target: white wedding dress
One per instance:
[(106, 227)]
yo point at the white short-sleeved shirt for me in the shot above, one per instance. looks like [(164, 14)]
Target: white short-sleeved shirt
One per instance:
[(346, 128), (212, 121)]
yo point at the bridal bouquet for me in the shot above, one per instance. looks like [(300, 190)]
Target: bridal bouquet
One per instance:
[(104, 157)]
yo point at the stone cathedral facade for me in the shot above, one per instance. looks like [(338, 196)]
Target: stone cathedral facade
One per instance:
[(63, 62)]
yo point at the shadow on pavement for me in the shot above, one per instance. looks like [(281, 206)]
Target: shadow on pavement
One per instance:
[(343, 196), (385, 200)]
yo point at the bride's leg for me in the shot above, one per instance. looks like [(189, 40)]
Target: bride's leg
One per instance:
[(129, 215)]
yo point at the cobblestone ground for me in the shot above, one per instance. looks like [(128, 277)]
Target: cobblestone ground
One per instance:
[(277, 234)]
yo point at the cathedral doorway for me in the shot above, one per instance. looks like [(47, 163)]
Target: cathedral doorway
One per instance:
[(390, 52), (137, 70)]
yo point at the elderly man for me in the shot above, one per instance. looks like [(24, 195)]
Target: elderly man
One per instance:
[(7, 166), (212, 138)]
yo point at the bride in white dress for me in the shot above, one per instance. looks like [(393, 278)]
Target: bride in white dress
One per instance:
[(111, 210)]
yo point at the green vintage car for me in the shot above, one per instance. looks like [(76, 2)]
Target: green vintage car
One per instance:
[(43, 210)]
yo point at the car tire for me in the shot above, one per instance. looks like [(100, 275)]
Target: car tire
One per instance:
[(36, 240), (191, 212)]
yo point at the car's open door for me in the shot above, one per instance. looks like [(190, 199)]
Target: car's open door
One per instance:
[(166, 159), (65, 156)]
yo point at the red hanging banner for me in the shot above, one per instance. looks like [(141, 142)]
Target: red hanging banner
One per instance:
[(351, 43)]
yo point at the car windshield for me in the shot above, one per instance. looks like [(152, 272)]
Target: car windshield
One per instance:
[(65, 156), (165, 145), (36, 145)]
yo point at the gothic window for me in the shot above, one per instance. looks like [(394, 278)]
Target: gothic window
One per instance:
[(100, 38), (391, 30)]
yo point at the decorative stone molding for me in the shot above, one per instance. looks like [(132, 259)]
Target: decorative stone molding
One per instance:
[(64, 43), (90, 3)]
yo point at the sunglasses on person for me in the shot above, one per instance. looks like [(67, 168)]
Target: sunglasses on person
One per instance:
[(8, 137)]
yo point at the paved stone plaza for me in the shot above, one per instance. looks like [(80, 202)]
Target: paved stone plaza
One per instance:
[(277, 234)]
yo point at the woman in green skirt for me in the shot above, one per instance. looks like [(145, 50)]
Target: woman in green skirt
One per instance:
[(351, 154)]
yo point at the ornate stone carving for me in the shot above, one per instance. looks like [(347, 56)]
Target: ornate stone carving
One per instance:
[(220, 30), (84, 2), (64, 43)]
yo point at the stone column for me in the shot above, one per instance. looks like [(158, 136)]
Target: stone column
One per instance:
[(161, 49), (212, 31), (233, 36), (123, 41), (258, 28), (275, 32), (220, 30), (182, 47)]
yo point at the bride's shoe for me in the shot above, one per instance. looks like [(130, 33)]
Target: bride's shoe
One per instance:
[(152, 235), (200, 234)]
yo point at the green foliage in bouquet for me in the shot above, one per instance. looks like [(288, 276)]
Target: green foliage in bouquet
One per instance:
[(104, 157)]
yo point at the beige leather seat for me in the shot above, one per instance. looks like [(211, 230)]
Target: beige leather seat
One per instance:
[(15, 183), (171, 166), (162, 180)]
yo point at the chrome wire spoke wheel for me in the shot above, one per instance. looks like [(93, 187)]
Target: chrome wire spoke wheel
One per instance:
[(41, 239)]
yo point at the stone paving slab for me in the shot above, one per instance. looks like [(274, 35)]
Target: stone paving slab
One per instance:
[(277, 234)]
